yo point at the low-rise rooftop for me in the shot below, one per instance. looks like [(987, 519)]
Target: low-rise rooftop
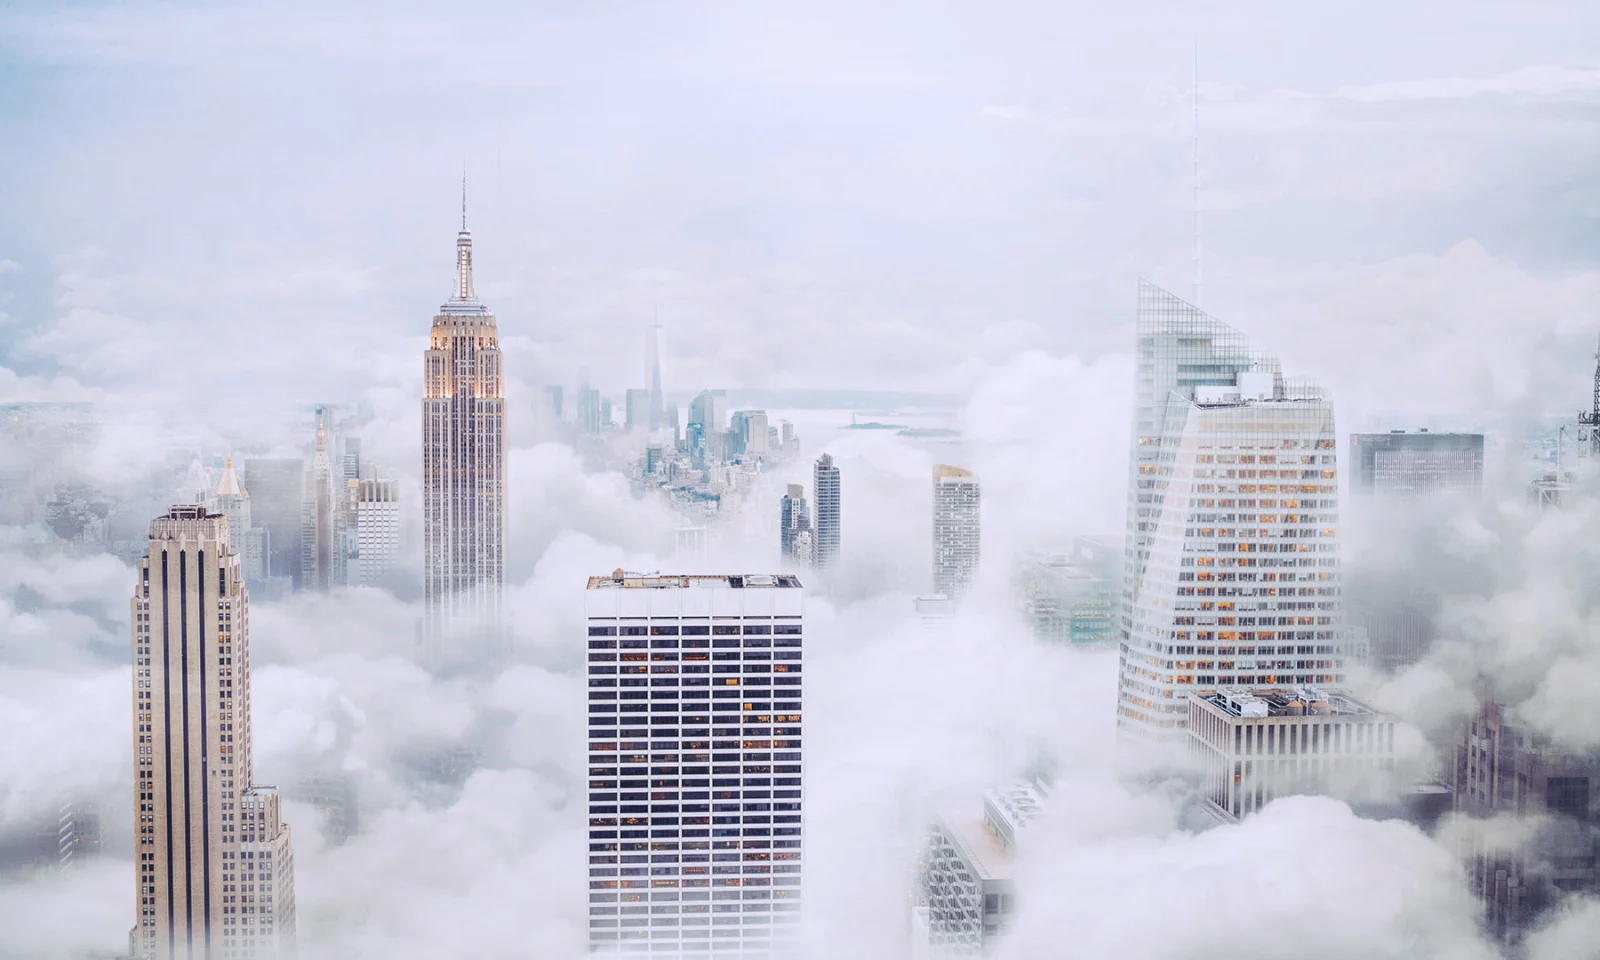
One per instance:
[(625, 580), (1285, 702)]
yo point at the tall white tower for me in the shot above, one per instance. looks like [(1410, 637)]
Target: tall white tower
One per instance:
[(1231, 577), (696, 785), (956, 530), (463, 460), (215, 867)]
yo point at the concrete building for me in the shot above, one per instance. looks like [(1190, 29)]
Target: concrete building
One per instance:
[(957, 530), (463, 461), (794, 519), (1253, 747), (1075, 596), (1398, 463), (696, 787), (1504, 768), (825, 526), (376, 509), (319, 540), (215, 867), (1232, 552), (277, 502)]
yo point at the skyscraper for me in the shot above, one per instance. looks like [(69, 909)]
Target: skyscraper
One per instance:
[(794, 519), (463, 459), (1231, 578), (249, 541), (658, 404), (636, 409), (701, 848), (1407, 464), (319, 544), (277, 502), (375, 504), (215, 867), (825, 489), (956, 530)]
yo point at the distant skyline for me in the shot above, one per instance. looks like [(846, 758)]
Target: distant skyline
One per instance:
[(860, 198)]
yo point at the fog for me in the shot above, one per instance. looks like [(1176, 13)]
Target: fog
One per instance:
[(218, 216)]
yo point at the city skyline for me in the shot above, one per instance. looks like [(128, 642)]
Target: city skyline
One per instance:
[(869, 303)]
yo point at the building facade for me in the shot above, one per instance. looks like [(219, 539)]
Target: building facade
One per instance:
[(968, 891), (696, 778), (463, 461), (825, 525), (215, 867), (957, 532), (1231, 575), (1398, 463), (1074, 596), (375, 504), (1252, 748), (319, 537)]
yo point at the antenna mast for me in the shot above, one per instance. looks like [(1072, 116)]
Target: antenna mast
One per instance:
[(1591, 418)]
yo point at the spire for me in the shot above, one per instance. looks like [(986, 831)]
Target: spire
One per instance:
[(463, 199), (1197, 173), (230, 486), (464, 291)]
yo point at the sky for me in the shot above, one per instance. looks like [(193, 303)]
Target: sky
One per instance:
[(215, 215)]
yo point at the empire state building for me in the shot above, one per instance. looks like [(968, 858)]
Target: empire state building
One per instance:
[(463, 461)]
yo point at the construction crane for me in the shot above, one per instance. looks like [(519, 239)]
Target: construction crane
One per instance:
[(1591, 417)]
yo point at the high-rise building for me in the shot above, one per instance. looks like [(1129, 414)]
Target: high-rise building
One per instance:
[(710, 410), (825, 527), (696, 794), (463, 460), (1074, 597), (375, 506), (794, 518), (277, 502), (657, 400), (1252, 748), (215, 867), (755, 433), (1231, 577), (636, 409), (349, 459), (589, 410), (1503, 768), (1400, 464), (249, 541), (968, 891), (319, 541), (552, 399), (957, 503)]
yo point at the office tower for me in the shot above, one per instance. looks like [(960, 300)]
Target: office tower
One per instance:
[(463, 460), (552, 399), (1231, 577), (375, 508), (755, 433), (657, 401), (738, 433), (249, 541), (589, 410), (956, 530), (968, 890), (1074, 597), (696, 793), (1252, 748), (710, 410), (607, 418), (277, 502), (215, 867), (794, 518), (1407, 464), (319, 543), (78, 835), (790, 442), (1502, 768), (825, 526), (636, 409)]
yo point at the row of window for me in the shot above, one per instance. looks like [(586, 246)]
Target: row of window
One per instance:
[(697, 630)]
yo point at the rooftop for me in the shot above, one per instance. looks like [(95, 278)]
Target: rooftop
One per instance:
[(943, 471), (1285, 702), (620, 579), (980, 848)]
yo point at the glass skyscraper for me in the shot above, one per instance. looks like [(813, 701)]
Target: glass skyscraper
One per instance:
[(1231, 572), (825, 487)]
